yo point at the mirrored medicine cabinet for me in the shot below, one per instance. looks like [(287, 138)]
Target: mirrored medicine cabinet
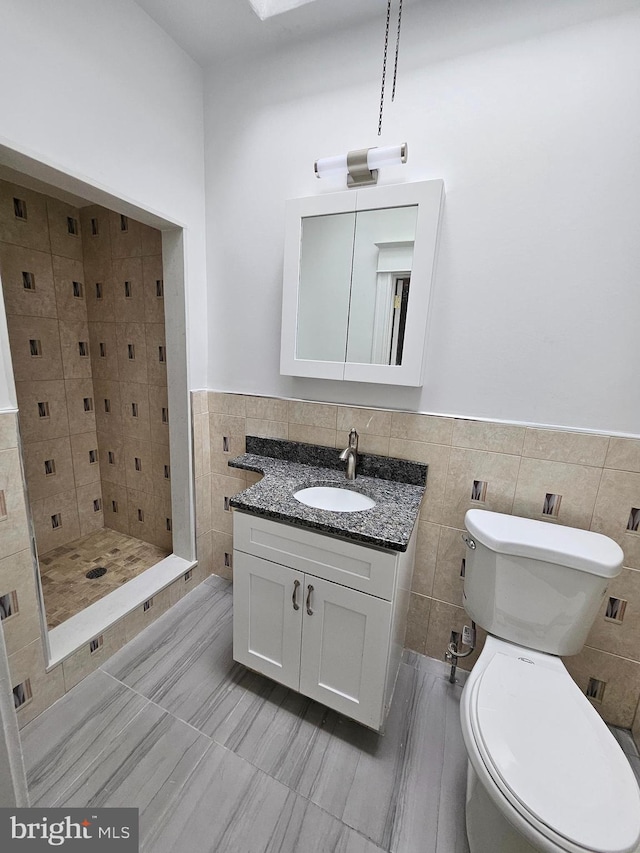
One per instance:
[(358, 275)]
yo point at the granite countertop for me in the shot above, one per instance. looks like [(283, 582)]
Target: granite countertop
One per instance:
[(388, 524)]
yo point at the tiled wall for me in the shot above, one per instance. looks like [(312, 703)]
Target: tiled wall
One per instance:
[(83, 291), (35, 688), (43, 287), (125, 306), (512, 469)]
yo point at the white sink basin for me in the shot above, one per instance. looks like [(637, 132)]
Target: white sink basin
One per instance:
[(334, 498)]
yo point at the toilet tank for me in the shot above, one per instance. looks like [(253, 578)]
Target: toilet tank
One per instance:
[(536, 583)]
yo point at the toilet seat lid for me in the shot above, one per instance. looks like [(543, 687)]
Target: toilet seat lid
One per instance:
[(548, 746)]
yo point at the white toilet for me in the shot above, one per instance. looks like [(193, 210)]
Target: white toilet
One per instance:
[(544, 772)]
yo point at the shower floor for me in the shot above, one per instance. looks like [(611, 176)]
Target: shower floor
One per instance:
[(66, 589)]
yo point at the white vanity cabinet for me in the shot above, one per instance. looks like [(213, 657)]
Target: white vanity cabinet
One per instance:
[(323, 616)]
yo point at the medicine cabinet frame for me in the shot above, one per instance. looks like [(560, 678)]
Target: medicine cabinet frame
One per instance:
[(428, 196)]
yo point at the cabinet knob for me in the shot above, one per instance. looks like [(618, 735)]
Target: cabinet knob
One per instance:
[(309, 591), (294, 597)]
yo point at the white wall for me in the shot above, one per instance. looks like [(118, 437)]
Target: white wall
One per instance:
[(99, 91), (537, 303)]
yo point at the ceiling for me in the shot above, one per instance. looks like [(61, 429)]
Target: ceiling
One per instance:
[(209, 30)]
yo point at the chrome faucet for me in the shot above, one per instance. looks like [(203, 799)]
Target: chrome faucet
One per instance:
[(350, 455)]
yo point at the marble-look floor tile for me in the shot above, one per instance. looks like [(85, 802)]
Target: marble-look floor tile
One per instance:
[(219, 583), (147, 765), (62, 742), (184, 663)]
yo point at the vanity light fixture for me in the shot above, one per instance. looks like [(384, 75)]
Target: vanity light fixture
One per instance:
[(362, 165)]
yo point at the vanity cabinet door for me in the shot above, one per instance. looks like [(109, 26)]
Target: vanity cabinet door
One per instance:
[(267, 618), (345, 646)]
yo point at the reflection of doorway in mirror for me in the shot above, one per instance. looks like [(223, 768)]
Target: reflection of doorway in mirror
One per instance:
[(391, 301)]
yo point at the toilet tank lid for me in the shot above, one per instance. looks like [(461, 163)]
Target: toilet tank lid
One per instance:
[(541, 540)]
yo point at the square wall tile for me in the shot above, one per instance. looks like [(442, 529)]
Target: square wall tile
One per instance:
[(71, 288), (319, 415), (55, 520), (203, 504), (621, 678), (436, 456), (496, 473), (443, 619), (96, 237), (135, 410), (618, 494), (153, 287), (227, 404), (309, 434), (151, 240), (204, 552), (267, 429), (48, 468), (30, 229), (139, 619), (132, 353), (76, 350), (112, 458), (143, 521), (100, 291), (201, 447), (115, 507), (267, 409), (616, 629), (156, 353), (45, 688), (424, 428), (481, 435), (576, 448), (108, 407), (86, 459), (577, 485), (623, 454), (81, 405), (128, 290), (159, 417), (27, 281), (138, 465), (365, 421), (14, 529), (17, 579), (126, 236), (163, 513), (425, 559), (90, 508), (199, 402), (448, 583), (222, 554), (35, 348), (161, 470), (8, 430), (65, 229), (417, 623), (43, 410), (223, 488), (104, 349), (86, 660)]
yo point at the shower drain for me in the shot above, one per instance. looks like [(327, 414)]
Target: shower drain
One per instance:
[(92, 574)]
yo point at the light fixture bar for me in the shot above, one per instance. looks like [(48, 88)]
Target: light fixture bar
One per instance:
[(361, 165)]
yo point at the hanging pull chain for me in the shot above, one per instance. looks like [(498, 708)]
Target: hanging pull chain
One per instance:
[(384, 67), (395, 67)]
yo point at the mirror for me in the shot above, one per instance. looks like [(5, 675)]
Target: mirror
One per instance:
[(358, 270)]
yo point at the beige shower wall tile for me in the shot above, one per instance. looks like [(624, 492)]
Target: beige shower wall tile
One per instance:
[(267, 429), (108, 396), (65, 505), (139, 480), (203, 504), (115, 520), (480, 435), (308, 434), (8, 430), (40, 301), (365, 421), (318, 415), (498, 470), (84, 661), (577, 484), (156, 349), (14, 530), (163, 513), (222, 554), (378, 445), (267, 409), (425, 559), (201, 445), (436, 456), (426, 428), (62, 241), (620, 638), (17, 574), (56, 450), (66, 271), (622, 678), (143, 520), (100, 291), (72, 333), (46, 687), (199, 402), (204, 552), (139, 619), (161, 470), (445, 618), (221, 424), (151, 240), (128, 308), (85, 472), (153, 303), (90, 518), (448, 583), (623, 454), (135, 426), (227, 404), (32, 231), (126, 236), (32, 426), (576, 448), (95, 245), (223, 487), (76, 392), (25, 366), (103, 339), (132, 369), (417, 623), (159, 414), (618, 494)]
